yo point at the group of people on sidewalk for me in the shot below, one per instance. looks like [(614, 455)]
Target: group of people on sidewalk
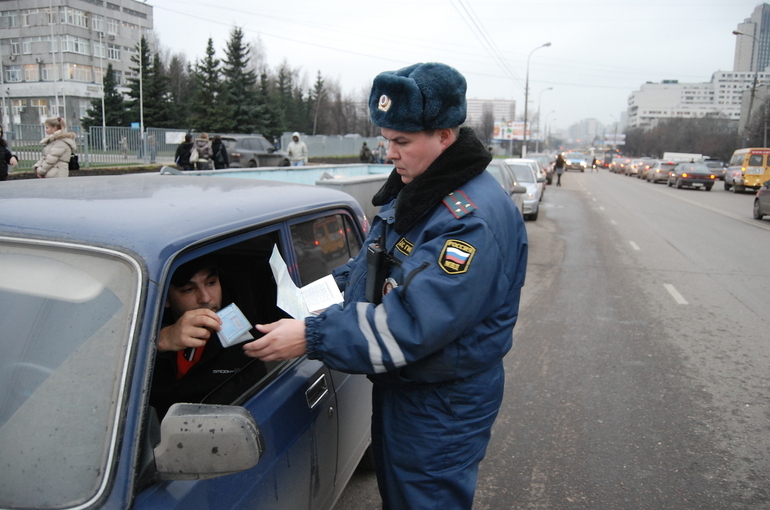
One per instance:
[(199, 154)]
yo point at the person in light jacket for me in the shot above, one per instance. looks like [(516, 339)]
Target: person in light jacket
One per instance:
[(297, 151), (58, 146), (205, 152)]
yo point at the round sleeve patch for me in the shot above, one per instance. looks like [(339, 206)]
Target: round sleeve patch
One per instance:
[(456, 256)]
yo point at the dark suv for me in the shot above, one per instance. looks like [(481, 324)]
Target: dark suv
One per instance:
[(253, 151)]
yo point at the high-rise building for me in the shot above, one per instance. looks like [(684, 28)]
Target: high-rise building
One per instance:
[(752, 51), (53, 57)]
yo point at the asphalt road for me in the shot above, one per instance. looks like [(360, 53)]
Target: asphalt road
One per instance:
[(639, 377)]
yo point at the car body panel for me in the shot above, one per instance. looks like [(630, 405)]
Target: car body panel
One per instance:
[(153, 224)]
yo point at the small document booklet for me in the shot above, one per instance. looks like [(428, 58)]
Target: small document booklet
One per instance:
[(311, 299), (235, 326)]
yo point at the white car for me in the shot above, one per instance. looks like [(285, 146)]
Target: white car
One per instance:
[(526, 174)]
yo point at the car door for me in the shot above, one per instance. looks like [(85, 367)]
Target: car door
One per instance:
[(295, 405), (267, 153)]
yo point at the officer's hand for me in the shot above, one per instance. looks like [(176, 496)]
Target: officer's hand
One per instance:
[(192, 329), (283, 340)]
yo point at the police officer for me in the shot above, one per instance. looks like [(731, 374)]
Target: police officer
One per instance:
[(431, 300)]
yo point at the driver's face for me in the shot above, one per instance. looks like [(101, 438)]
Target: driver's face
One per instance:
[(202, 291)]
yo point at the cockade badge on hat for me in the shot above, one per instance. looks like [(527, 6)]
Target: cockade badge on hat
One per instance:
[(385, 103)]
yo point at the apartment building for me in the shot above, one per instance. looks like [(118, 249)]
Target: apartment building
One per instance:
[(670, 99), (54, 53)]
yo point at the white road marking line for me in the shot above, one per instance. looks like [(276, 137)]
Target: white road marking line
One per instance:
[(675, 294), (593, 199), (601, 207), (634, 245), (613, 222)]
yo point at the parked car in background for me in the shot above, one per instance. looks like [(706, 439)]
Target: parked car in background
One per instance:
[(526, 175), (82, 299), (659, 171), (507, 179), (253, 151), (762, 201), (546, 163), (694, 175), (575, 161)]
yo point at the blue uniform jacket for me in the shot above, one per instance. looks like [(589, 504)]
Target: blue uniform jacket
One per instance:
[(459, 272)]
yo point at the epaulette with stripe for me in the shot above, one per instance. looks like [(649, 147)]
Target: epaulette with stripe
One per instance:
[(459, 204)]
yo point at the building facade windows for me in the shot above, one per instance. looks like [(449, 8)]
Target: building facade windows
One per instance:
[(12, 18), (12, 74), (31, 72), (15, 47), (41, 105), (113, 51), (77, 72), (49, 72), (72, 44), (99, 50), (97, 22), (112, 26), (70, 16)]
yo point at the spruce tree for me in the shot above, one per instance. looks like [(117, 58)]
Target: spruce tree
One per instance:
[(142, 60), (242, 112), (204, 106), (114, 105), (157, 98)]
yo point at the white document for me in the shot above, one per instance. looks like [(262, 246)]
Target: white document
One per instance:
[(300, 303)]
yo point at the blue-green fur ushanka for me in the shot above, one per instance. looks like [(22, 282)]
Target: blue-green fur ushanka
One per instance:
[(418, 98)]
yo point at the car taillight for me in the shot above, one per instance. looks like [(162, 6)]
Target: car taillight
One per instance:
[(235, 155)]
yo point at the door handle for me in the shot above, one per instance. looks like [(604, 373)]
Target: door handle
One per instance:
[(316, 392)]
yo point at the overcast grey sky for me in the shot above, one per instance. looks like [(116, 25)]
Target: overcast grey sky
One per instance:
[(601, 50)]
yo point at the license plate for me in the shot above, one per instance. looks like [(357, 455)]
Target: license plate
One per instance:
[(757, 170)]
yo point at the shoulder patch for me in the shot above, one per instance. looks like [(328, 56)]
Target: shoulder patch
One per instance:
[(459, 204), (404, 246), (456, 256)]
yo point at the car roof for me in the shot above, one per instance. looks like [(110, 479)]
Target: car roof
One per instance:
[(153, 215)]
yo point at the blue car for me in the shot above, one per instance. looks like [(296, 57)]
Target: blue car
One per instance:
[(85, 264)]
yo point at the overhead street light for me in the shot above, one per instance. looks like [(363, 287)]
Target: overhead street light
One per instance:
[(753, 86), (526, 100), (539, 99)]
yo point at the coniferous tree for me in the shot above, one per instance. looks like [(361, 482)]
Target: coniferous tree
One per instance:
[(204, 106), (143, 69), (272, 118), (158, 110), (315, 100), (180, 89), (242, 112), (114, 106)]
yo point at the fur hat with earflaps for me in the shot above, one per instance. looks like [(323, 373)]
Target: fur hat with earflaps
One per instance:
[(418, 98)]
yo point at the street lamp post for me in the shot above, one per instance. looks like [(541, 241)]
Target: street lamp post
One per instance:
[(104, 121), (526, 100), (539, 99), (753, 86)]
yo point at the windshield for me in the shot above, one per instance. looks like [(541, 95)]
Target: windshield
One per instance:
[(66, 316), (523, 173), (576, 155)]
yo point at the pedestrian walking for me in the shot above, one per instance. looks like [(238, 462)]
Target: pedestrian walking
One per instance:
[(7, 159), (221, 159), (58, 147), (297, 151), (365, 155), (205, 152), (381, 153), (182, 154), (558, 167), (430, 300)]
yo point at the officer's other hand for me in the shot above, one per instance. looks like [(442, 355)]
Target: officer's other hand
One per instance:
[(192, 329), (283, 340)]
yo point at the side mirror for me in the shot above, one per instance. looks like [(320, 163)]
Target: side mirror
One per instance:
[(271, 150), (199, 441), (541, 179), (518, 188)]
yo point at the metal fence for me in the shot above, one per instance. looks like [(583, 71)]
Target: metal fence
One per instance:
[(121, 145)]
